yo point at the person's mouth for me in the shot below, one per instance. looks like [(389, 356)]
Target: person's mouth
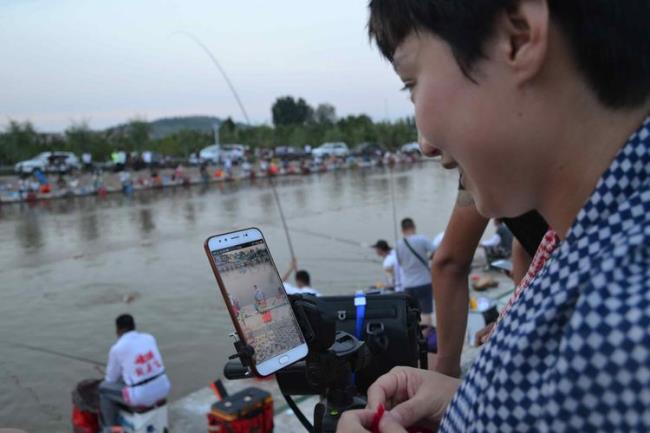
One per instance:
[(431, 152)]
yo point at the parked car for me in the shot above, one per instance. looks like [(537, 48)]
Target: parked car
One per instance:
[(234, 152), (220, 152), (289, 152), (368, 149), (49, 162), (411, 148), (211, 153), (331, 149)]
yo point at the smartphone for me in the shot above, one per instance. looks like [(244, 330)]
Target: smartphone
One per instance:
[(254, 294)]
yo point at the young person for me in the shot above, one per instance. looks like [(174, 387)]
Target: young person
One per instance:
[(548, 100)]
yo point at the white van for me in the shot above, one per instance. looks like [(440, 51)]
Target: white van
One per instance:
[(217, 153)]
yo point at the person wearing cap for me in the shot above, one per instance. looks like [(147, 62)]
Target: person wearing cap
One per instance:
[(392, 271)]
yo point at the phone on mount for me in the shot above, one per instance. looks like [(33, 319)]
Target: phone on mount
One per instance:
[(257, 302)]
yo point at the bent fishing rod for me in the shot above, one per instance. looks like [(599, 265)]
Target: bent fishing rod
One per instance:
[(222, 71)]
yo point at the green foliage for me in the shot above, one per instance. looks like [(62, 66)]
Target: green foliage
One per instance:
[(325, 114), (79, 138), (182, 143), (289, 111), (21, 141)]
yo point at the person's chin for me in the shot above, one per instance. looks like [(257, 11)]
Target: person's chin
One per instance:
[(449, 164)]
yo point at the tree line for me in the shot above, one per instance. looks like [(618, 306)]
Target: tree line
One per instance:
[(295, 123)]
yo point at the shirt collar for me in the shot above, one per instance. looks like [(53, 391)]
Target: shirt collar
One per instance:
[(125, 334), (625, 175)]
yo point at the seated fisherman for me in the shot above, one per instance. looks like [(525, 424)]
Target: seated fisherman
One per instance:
[(499, 246), (135, 374)]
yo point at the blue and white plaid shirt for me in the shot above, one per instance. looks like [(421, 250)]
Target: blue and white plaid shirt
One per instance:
[(573, 354)]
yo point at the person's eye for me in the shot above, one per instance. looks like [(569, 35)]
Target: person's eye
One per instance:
[(408, 87)]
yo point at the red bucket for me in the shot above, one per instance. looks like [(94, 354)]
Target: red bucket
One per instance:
[(84, 422)]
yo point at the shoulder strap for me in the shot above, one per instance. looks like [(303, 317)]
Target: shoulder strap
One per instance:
[(419, 257)]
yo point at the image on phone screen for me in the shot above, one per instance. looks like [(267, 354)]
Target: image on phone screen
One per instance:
[(258, 299)]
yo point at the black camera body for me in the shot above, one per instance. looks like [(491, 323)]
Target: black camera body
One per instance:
[(391, 330), (352, 340)]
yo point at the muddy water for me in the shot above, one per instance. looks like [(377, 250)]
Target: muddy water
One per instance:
[(69, 267)]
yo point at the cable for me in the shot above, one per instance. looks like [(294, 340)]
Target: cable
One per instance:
[(301, 416)]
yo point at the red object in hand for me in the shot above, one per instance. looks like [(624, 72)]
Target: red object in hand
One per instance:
[(374, 428)]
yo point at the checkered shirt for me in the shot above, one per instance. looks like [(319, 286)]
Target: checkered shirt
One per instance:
[(544, 252), (573, 353)]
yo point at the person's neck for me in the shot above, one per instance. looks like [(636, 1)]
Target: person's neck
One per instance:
[(582, 153), (408, 233)]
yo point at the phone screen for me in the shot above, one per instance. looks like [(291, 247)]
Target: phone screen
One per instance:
[(258, 299)]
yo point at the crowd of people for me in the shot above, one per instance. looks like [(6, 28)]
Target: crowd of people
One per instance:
[(128, 172)]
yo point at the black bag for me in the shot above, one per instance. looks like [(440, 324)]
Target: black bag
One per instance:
[(394, 324)]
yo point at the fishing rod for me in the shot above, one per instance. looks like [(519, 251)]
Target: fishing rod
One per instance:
[(284, 221), (216, 63), (392, 199)]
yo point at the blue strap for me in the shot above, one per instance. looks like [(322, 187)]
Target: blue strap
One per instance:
[(360, 303)]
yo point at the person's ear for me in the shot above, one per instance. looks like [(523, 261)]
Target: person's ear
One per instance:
[(522, 38)]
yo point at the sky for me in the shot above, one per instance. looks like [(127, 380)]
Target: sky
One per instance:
[(108, 61)]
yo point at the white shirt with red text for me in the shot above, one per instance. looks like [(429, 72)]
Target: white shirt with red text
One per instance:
[(136, 360)]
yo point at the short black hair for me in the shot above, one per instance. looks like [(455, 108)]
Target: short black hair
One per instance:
[(408, 224), (303, 277), (609, 39), (382, 245), (125, 322)]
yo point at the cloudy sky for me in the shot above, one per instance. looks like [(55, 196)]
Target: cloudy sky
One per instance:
[(106, 61)]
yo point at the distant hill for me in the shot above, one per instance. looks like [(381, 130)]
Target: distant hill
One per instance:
[(161, 128)]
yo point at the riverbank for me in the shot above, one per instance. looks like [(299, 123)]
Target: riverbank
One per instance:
[(14, 189)]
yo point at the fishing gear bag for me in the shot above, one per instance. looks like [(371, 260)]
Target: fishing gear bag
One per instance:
[(390, 328)]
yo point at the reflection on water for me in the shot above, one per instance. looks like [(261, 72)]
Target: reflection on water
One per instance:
[(146, 220), (28, 229), (89, 226), (71, 266), (190, 213)]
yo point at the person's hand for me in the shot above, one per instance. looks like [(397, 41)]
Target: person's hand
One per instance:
[(411, 396), (294, 264), (355, 421), (360, 421), (482, 336)]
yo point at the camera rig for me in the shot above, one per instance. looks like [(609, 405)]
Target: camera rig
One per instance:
[(340, 366)]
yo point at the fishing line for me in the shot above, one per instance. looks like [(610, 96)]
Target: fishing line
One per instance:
[(392, 199), (56, 353)]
